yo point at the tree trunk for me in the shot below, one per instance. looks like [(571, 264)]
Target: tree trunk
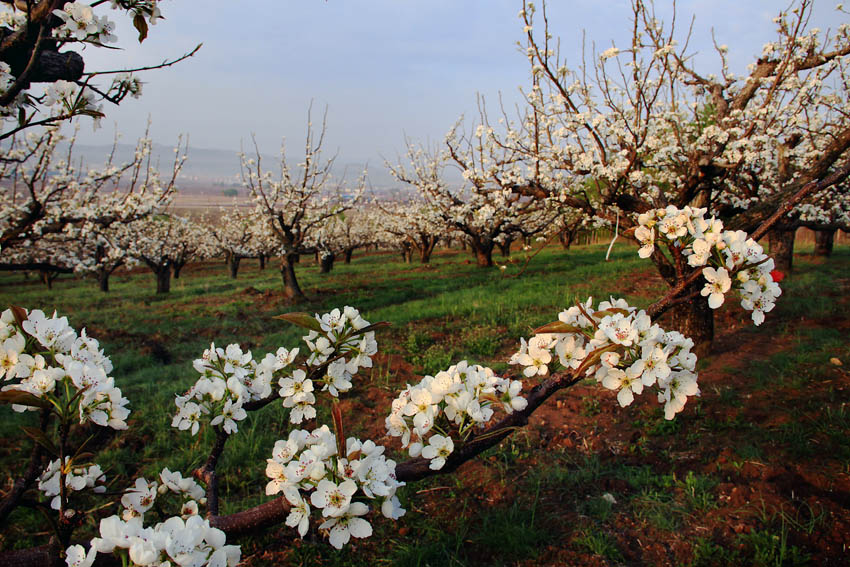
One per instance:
[(425, 254), (163, 278), (565, 237), (695, 320), (505, 248), (103, 279), (824, 240), (326, 263), (348, 253), (406, 252), (47, 278), (176, 267), (262, 261), (483, 253), (233, 264), (291, 289), (782, 248)]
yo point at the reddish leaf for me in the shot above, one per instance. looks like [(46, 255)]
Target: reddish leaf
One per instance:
[(22, 398), (302, 319), (20, 314), (141, 25), (557, 327), (612, 311)]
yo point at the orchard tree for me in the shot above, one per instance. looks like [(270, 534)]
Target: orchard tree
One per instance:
[(48, 198), (234, 233), (297, 203), (487, 208), (164, 243), (638, 128), (412, 225), (344, 233)]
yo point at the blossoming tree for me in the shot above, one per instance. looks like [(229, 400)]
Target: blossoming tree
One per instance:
[(51, 206), (298, 202), (487, 208), (640, 128), (164, 243)]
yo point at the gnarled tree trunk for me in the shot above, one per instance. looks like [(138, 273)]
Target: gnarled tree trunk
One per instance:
[(103, 279), (176, 267), (163, 278), (233, 264), (291, 289), (695, 320), (326, 263), (505, 248), (348, 253), (483, 252), (782, 248), (824, 240)]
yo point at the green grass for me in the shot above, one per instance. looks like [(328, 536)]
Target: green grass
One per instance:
[(439, 316)]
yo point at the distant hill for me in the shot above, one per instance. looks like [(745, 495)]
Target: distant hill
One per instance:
[(212, 171)]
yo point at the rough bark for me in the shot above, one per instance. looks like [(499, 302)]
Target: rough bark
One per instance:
[(326, 263), (163, 278), (695, 320), (824, 240), (47, 277), (103, 280), (505, 248), (483, 253), (291, 289), (782, 248), (233, 264), (427, 245)]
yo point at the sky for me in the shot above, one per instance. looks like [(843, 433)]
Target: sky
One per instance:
[(383, 69)]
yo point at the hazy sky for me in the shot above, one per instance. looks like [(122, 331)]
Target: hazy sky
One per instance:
[(383, 68)]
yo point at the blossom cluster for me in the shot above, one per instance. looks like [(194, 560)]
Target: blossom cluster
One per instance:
[(342, 345), (728, 258), (45, 358), (81, 23), (621, 347), (338, 485), (184, 539), (77, 478), (140, 498), (231, 377), (458, 399)]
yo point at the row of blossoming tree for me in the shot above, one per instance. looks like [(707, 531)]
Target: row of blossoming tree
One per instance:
[(668, 150)]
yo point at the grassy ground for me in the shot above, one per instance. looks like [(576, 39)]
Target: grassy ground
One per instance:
[(756, 472)]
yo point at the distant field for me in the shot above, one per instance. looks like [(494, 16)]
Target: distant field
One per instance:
[(755, 472), (194, 205)]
